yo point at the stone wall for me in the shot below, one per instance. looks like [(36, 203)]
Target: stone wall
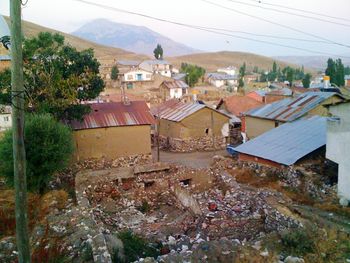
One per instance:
[(193, 144)]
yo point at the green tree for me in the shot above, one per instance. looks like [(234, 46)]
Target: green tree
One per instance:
[(306, 80), (331, 69), (58, 77), (49, 147), (242, 71), (339, 73), (114, 72), (5, 87), (290, 75), (347, 70), (193, 73), (158, 52)]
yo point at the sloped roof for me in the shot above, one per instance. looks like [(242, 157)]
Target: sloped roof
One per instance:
[(130, 63), (5, 58), (221, 76), (289, 142), (240, 104), (174, 110), (291, 109), (175, 84), (114, 114), (179, 76), (281, 92)]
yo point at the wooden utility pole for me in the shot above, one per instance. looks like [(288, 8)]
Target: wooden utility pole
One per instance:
[(19, 158)]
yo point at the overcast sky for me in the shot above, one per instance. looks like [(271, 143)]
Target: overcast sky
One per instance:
[(68, 15)]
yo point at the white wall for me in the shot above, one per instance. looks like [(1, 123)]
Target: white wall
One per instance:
[(177, 93), (131, 76), (217, 83), (229, 71), (5, 121), (338, 150)]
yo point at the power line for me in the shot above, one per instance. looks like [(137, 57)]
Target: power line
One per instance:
[(290, 13), (206, 29), (275, 23), (300, 10)]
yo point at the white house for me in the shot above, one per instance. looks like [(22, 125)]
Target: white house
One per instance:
[(5, 118), (338, 150), (173, 89), (157, 66), (137, 75), (231, 70), (222, 79)]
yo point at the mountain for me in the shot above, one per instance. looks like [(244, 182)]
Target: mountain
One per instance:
[(103, 53), (211, 61), (138, 39), (314, 62)]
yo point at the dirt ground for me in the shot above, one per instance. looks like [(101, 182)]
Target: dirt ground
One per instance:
[(195, 160)]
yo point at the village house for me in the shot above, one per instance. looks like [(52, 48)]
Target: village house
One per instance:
[(113, 130), (157, 66), (265, 118), (190, 126), (288, 144), (5, 118), (338, 141), (222, 79), (258, 95), (173, 89), (231, 70), (251, 78)]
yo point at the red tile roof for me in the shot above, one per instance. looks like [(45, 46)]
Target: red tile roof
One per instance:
[(114, 114), (240, 104)]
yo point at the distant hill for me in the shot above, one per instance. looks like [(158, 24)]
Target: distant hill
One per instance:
[(214, 60), (314, 62), (137, 39), (104, 53)]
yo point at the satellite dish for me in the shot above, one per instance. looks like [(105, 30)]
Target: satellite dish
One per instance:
[(4, 33)]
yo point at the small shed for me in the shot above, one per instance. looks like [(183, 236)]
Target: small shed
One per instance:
[(173, 89), (113, 130)]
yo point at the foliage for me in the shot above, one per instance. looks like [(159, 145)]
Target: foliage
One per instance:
[(242, 71), (347, 70), (336, 71), (158, 52), (87, 253), (144, 207), (114, 72), (5, 87), (306, 80), (193, 73), (49, 147), (57, 77), (297, 242), (136, 247)]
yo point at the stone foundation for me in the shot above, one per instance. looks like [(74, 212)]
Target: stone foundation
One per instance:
[(192, 144)]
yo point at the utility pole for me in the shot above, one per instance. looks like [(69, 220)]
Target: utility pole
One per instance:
[(19, 158)]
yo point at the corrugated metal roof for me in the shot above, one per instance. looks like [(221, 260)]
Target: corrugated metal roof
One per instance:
[(128, 62), (221, 76), (176, 84), (281, 92), (114, 114), (289, 142), (156, 62), (174, 110), (5, 57), (4, 28), (291, 109), (179, 76)]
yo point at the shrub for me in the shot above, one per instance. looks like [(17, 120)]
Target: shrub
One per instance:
[(49, 146), (297, 242), (136, 247)]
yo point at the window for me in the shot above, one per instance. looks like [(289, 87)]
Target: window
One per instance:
[(186, 181), (130, 77), (207, 131), (6, 118), (276, 124)]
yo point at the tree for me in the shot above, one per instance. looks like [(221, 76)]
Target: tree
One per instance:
[(290, 74), (49, 147), (57, 77), (242, 71), (158, 52), (306, 80), (114, 72), (331, 69), (347, 70), (193, 73), (339, 73)]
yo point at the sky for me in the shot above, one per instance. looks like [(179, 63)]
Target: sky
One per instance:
[(69, 15)]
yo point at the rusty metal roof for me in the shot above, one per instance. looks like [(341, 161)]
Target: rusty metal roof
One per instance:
[(291, 109), (175, 84), (114, 114), (174, 110), (289, 142)]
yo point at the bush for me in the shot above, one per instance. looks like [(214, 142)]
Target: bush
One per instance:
[(297, 242), (136, 247), (49, 146)]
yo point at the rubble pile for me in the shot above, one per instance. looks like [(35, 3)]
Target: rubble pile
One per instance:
[(204, 143)]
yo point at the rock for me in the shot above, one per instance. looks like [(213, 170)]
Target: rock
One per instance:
[(291, 259), (264, 253), (344, 202)]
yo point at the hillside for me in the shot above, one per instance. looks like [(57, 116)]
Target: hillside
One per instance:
[(138, 39), (315, 62), (212, 61), (104, 53)]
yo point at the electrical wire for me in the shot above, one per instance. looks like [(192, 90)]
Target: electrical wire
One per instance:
[(290, 13), (206, 29), (275, 23)]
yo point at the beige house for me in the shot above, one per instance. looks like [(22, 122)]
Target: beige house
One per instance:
[(112, 130), (262, 119), (5, 118), (157, 66), (173, 89)]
